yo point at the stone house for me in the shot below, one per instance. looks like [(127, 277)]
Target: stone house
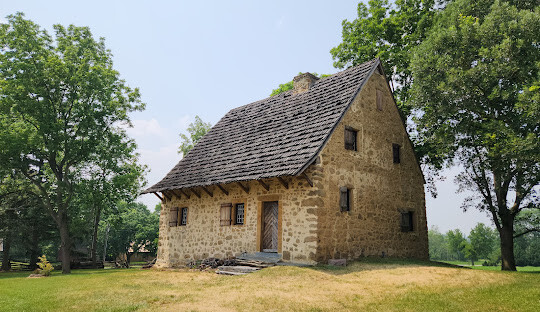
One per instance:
[(323, 171)]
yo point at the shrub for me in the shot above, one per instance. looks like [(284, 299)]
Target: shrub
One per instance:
[(45, 267)]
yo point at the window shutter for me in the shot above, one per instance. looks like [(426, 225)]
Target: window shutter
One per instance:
[(396, 153), (173, 221), (350, 139), (343, 199), (379, 100), (406, 221), (225, 214)]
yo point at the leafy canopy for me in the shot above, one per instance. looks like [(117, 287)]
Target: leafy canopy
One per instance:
[(476, 80), (196, 130), (389, 32)]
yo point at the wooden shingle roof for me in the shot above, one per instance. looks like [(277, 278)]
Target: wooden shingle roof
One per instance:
[(277, 136)]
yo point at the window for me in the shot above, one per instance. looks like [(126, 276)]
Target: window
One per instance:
[(183, 216), (350, 139), (379, 100), (344, 199), (173, 221), (396, 151), (225, 214), (239, 214), (406, 221)]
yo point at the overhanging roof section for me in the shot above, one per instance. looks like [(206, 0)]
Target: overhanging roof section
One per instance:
[(277, 136)]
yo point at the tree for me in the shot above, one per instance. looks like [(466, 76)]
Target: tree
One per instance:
[(469, 252), (527, 238), (456, 242), (132, 228), (196, 130), (284, 87), (61, 102), (388, 32), (438, 246), (482, 240), (475, 79)]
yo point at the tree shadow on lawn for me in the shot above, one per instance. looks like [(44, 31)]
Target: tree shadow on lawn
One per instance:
[(372, 264), (77, 272)]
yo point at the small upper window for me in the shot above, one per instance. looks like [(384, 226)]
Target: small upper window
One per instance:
[(183, 216), (407, 221), (239, 214), (350, 139), (396, 153), (225, 214), (379, 100), (344, 199), (173, 220)]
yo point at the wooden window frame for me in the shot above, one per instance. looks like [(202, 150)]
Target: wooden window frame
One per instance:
[(344, 199), (173, 212), (354, 132), (236, 213), (396, 153), (407, 221), (183, 216)]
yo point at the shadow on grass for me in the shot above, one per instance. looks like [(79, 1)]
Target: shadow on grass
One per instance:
[(372, 264), (78, 272)]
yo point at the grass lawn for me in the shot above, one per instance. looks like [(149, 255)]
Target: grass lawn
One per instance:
[(478, 266), (388, 285)]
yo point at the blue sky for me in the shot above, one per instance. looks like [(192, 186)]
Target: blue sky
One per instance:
[(206, 57)]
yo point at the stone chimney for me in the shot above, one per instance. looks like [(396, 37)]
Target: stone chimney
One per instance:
[(303, 82)]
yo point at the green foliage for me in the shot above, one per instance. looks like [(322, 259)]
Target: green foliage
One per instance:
[(475, 79), (456, 242), (438, 246), (45, 267), (62, 114), (389, 32), (483, 240), (284, 87), (132, 228), (196, 130)]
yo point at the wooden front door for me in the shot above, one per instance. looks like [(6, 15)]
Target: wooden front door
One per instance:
[(270, 227)]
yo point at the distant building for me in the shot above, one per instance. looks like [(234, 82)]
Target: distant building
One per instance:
[(323, 171)]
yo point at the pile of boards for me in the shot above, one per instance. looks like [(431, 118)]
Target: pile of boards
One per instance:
[(242, 267)]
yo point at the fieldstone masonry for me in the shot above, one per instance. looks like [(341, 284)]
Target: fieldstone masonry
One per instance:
[(311, 226)]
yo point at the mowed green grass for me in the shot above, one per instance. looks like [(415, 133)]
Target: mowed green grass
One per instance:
[(387, 285), (478, 266)]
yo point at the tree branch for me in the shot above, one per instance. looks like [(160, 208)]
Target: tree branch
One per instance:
[(526, 232)]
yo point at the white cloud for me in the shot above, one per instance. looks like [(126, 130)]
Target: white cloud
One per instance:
[(142, 127)]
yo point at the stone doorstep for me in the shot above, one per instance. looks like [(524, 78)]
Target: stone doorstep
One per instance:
[(229, 273), (237, 269), (266, 257)]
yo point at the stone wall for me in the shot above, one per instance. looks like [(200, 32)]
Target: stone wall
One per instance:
[(311, 226), (203, 236), (380, 188)]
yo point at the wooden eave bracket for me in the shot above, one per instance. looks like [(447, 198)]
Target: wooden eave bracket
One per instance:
[(164, 193), (195, 192), (176, 194), (223, 189), (245, 188), (207, 191), (185, 194), (160, 198), (283, 182), (266, 186), (304, 175)]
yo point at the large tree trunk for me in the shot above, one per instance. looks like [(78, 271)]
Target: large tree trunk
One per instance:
[(34, 249), (6, 263), (93, 249), (65, 245), (506, 233)]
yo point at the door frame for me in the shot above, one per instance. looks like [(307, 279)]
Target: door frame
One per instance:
[(260, 204)]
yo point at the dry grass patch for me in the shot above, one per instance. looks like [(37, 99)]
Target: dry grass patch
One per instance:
[(386, 286)]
